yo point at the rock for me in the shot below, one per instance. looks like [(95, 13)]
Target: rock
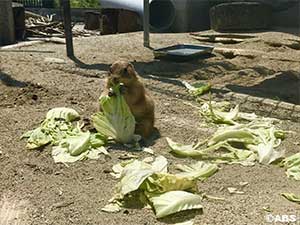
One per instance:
[(54, 60), (276, 5), (240, 16)]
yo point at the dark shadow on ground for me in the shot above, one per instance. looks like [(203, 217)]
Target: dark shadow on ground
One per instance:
[(181, 217), (23, 50), (284, 86), (80, 64), (160, 70), (7, 80), (167, 68)]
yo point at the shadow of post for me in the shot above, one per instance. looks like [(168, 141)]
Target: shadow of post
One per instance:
[(80, 64), (7, 80), (284, 86)]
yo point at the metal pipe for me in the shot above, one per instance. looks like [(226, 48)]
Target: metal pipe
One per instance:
[(65, 4), (162, 13), (146, 24)]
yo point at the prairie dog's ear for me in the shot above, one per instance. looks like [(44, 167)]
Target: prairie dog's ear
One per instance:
[(110, 69), (130, 69)]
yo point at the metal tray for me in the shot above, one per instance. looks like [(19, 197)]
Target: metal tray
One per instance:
[(183, 52)]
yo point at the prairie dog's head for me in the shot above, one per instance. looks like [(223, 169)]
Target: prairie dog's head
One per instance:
[(122, 72)]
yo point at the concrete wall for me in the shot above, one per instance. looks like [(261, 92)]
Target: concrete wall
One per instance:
[(288, 18), (7, 28)]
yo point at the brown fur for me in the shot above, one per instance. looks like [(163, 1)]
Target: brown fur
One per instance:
[(138, 100)]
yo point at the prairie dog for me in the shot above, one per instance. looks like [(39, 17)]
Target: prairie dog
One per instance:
[(140, 103)]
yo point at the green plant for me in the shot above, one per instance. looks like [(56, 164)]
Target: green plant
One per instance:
[(81, 3)]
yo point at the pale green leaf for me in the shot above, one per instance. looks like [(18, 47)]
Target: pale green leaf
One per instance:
[(37, 138), (292, 165), (200, 170), (183, 150), (94, 153), (111, 208), (291, 197), (97, 140), (197, 89), (61, 155), (161, 183), (160, 164), (148, 150), (66, 114), (133, 175), (78, 144), (216, 113), (232, 135), (174, 201), (116, 120)]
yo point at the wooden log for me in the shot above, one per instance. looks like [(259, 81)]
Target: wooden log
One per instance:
[(109, 21), (29, 14), (7, 28), (19, 20), (128, 21), (92, 20)]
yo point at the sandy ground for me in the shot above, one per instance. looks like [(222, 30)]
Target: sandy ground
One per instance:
[(36, 191)]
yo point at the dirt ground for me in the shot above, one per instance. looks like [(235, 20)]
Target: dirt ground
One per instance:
[(36, 191)]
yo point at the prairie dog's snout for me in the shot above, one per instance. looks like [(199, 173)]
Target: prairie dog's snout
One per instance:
[(115, 80)]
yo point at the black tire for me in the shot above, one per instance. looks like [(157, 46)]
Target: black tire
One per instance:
[(240, 16)]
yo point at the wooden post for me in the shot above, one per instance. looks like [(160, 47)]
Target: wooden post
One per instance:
[(7, 27), (65, 4), (146, 23)]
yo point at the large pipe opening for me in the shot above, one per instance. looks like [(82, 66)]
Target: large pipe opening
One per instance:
[(162, 14)]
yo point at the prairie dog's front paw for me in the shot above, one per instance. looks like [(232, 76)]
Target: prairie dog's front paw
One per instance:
[(111, 93), (122, 89)]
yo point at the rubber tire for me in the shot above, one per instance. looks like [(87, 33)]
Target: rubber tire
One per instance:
[(240, 16)]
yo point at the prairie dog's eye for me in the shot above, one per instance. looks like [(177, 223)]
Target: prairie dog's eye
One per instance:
[(125, 72), (110, 70)]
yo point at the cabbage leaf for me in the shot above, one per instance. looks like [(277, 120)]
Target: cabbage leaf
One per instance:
[(116, 120), (174, 201), (292, 197)]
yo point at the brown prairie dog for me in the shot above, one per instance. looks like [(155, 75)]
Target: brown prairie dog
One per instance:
[(133, 90)]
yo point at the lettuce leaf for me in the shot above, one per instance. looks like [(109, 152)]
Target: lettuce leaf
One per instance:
[(291, 197), (161, 183), (184, 150), (63, 113), (51, 131), (133, 175), (116, 120), (292, 165), (197, 89), (160, 164), (37, 138), (75, 145), (216, 113), (75, 148), (199, 170), (230, 134), (97, 140), (174, 201)]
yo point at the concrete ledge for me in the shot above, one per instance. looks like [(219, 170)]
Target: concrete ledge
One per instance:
[(266, 107)]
